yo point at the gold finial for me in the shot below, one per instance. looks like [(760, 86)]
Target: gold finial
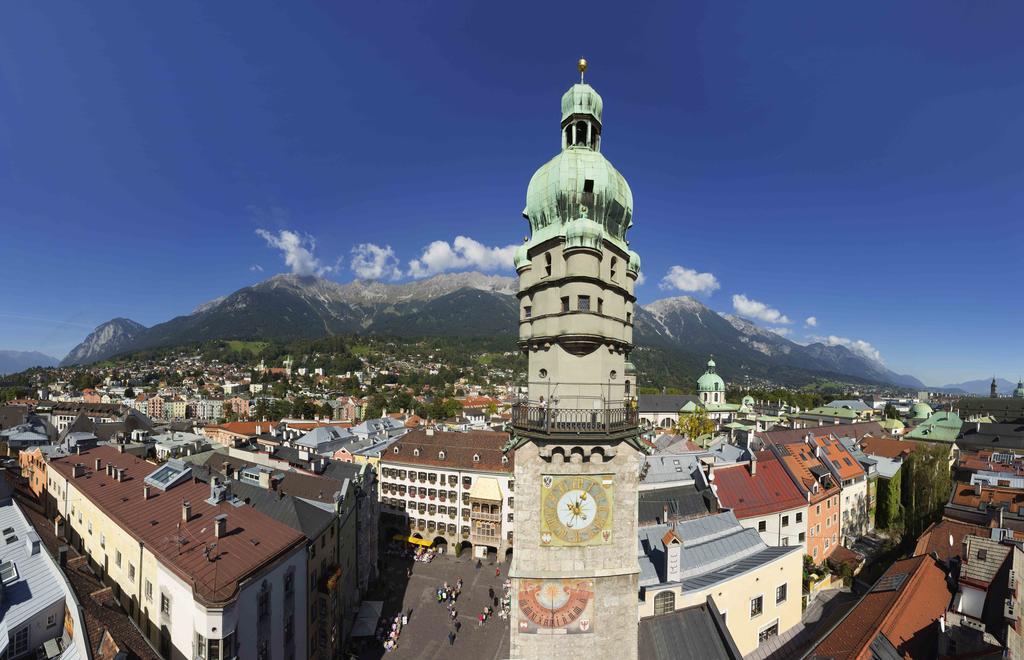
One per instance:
[(582, 65)]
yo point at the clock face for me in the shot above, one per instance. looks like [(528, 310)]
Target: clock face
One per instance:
[(560, 606), (576, 510)]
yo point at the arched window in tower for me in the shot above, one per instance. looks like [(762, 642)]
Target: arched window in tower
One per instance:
[(627, 388), (581, 133), (664, 603)]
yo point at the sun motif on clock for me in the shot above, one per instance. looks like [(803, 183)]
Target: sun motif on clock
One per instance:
[(576, 509), (561, 606)]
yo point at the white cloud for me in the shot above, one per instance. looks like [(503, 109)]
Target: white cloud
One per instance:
[(755, 309), (640, 278), (373, 262), (858, 346), (811, 321), (256, 268), (461, 254), (298, 251), (687, 279), (784, 332)]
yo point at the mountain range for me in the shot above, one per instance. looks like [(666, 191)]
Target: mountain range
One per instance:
[(981, 386), (287, 307), (11, 362)]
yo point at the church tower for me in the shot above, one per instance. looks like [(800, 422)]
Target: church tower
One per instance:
[(574, 570)]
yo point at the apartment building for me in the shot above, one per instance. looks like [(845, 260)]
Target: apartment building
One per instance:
[(855, 504), (755, 587), (202, 575), (451, 489), (763, 497), (822, 491)]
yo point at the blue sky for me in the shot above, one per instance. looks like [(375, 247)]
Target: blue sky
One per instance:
[(857, 164)]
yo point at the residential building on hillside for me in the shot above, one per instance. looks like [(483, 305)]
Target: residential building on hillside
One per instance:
[(757, 588), (39, 613), (451, 488), (763, 497), (168, 544)]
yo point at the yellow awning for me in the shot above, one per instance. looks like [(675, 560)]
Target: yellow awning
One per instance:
[(412, 539)]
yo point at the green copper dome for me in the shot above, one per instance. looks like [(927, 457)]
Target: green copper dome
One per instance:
[(581, 99), (579, 177), (710, 381), (920, 411), (634, 261), (1018, 393), (579, 182), (584, 232), (521, 259)]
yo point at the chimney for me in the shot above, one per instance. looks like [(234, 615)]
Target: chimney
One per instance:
[(120, 474), (673, 557), (220, 525), (430, 431), (753, 464), (78, 470), (664, 514), (977, 488), (78, 449), (120, 447), (186, 511), (259, 429), (99, 465), (226, 469), (62, 556), (264, 479), (145, 491)]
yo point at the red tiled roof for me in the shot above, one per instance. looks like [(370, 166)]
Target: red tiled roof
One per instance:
[(936, 538), (253, 539), (459, 450), (887, 447), (768, 490), (841, 458), (906, 612), (964, 495), (800, 459)]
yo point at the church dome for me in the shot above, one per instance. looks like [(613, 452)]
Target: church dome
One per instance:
[(920, 411), (710, 381), (584, 232), (582, 99), (1018, 393)]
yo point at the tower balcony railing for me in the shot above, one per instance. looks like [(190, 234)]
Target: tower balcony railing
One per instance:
[(605, 419)]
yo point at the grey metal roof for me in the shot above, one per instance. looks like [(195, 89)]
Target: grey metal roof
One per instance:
[(323, 435), (977, 435), (662, 468), (682, 502), (851, 404), (692, 633), (39, 583), (663, 403), (715, 549)]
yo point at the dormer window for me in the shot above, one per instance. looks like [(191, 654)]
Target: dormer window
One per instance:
[(416, 452), (396, 450), (476, 458), (504, 460), (441, 455)]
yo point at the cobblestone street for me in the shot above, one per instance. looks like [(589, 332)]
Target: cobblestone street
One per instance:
[(426, 636)]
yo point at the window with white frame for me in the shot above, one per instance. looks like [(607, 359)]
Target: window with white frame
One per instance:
[(756, 606)]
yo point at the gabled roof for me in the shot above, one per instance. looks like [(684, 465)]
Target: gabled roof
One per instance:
[(887, 447), (692, 633), (904, 605), (842, 460), (768, 490), (663, 403), (254, 540)]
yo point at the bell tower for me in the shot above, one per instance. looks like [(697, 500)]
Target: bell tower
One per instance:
[(574, 570)]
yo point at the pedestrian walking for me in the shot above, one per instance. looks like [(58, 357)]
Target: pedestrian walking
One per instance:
[(458, 625), (497, 572), (408, 572), (451, 638)]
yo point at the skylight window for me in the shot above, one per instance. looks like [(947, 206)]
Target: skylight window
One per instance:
[(8, 572)]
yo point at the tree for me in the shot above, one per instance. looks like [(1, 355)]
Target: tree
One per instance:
[(929, 483), (129, 393), (325, 410), (303, 408), (695, 424), (890, 411), (890, 508)]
